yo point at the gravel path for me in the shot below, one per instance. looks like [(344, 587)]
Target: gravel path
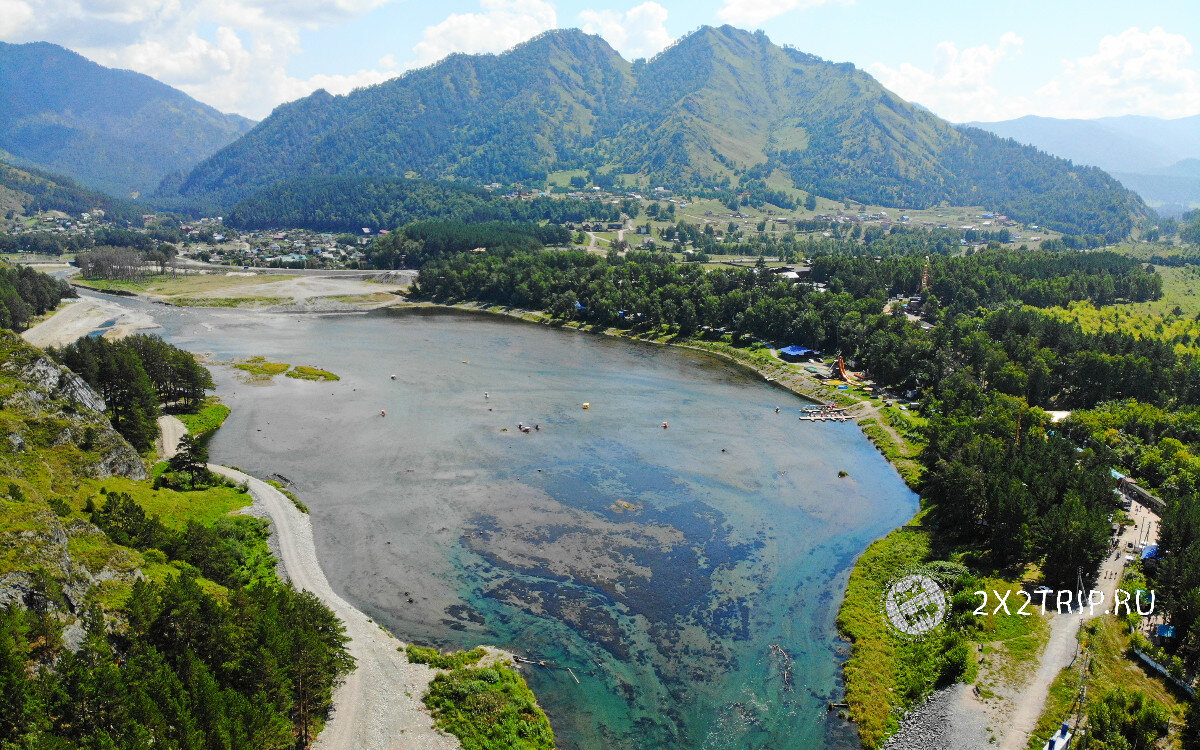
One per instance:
[(946, 721), (170, 431), (378, 707), (1063, 644)]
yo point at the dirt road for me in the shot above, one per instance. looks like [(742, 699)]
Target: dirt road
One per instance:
[(170, 431), (1062, 646), (378, 707)]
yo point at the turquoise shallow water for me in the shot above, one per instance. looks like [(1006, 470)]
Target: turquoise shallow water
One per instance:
[(689, 577)]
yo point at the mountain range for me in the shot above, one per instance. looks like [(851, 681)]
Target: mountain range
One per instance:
[(1157, 158), (112, 130), (721, 110)]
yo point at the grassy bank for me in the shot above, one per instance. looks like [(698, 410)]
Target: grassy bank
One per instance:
[(207, 419), (887, 675), (486, 707), (873, 669)]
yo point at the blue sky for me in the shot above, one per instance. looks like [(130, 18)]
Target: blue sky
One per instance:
[(963, 60)]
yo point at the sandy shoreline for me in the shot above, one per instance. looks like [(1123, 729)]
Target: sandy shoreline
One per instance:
[(83, 316), (378, 706)]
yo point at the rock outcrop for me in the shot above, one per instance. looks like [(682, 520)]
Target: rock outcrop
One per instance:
[(44, 390)]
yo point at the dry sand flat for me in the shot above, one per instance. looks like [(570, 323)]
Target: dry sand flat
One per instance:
[(86, 315), (301, 289), (378, 707)]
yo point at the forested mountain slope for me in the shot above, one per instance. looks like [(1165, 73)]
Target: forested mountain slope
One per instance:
[(27, 191), (720, 109), (113, 130)]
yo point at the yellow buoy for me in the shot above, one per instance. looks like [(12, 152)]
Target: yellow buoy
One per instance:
[(587, 405)]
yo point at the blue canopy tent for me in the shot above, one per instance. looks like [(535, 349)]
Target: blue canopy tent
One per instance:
[(795, 353)]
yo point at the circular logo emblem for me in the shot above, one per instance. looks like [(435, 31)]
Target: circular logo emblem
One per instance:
[(915, 604)]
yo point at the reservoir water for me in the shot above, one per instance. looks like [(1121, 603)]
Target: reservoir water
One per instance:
[(689, 577)]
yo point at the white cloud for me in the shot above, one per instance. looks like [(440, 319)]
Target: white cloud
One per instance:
[(232, 54), (502, 24), (1134, 72), (959, 87), (639, 32), (751, 13), (14, 16)]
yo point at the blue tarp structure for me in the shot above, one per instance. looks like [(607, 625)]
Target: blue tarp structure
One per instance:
[(797, 351), (1151, 551), (790, 352), (579, 306), (1166, 631)]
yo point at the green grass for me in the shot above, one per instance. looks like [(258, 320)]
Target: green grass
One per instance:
[(358, 299), (174, 508), (1156, 319), (260, 369), (180, 285), (903, 457), (207, 419), (489, 709), (1012, 643), (304, 372), (438, 660), (229, 301), (872, 670)]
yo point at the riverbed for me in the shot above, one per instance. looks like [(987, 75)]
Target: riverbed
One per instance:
[(688, 577)]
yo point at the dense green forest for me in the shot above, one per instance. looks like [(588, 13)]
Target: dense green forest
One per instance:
[(721, 113), (333, 204), (25, 294), (136, 375), (253, 670), (423, 241)]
